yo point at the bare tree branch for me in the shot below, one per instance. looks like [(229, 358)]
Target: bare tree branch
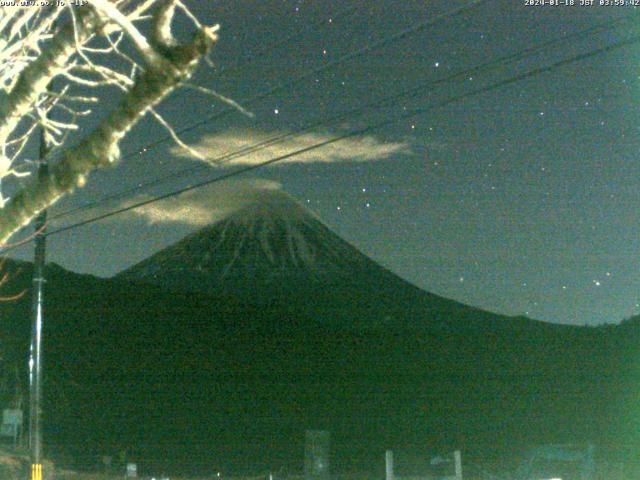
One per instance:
[(100, 147), (80, 54), (35, 78)]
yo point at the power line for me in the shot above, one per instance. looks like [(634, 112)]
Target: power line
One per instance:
[(361, 131), (382, 42), (418, 90), (349, 56)]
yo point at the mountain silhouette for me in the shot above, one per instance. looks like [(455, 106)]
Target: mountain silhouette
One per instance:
[(219, 351), (273, 251), (270, 246)]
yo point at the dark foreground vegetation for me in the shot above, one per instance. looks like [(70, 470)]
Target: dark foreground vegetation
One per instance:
[(186, 382)]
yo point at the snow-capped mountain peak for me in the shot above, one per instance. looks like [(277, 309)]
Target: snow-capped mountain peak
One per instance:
[(269, 238)]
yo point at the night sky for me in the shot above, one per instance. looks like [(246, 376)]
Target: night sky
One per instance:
[(521, 200)]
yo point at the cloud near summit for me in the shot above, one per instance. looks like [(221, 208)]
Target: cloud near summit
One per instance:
[(252, 147), (204, 206)]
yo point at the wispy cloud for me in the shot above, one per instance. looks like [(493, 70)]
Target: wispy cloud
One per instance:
[(220, 148), (206, 205)]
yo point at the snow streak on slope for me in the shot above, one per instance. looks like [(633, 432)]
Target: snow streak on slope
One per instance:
[(270, 237)]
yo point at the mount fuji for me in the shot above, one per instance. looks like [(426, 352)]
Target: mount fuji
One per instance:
[(275, 252), (230, 343), (269, 240)]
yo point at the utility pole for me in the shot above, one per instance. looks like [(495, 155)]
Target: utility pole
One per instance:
[(35, 358), (388, 457)]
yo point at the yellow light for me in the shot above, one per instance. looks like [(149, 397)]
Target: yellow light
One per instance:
[(36, 471)]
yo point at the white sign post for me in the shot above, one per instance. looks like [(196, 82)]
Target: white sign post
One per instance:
[(132, 470), (11, 424), (457, 457), (389, 462)]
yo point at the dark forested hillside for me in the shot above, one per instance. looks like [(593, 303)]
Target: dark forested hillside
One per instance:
[(190, 377), (187, 367)]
